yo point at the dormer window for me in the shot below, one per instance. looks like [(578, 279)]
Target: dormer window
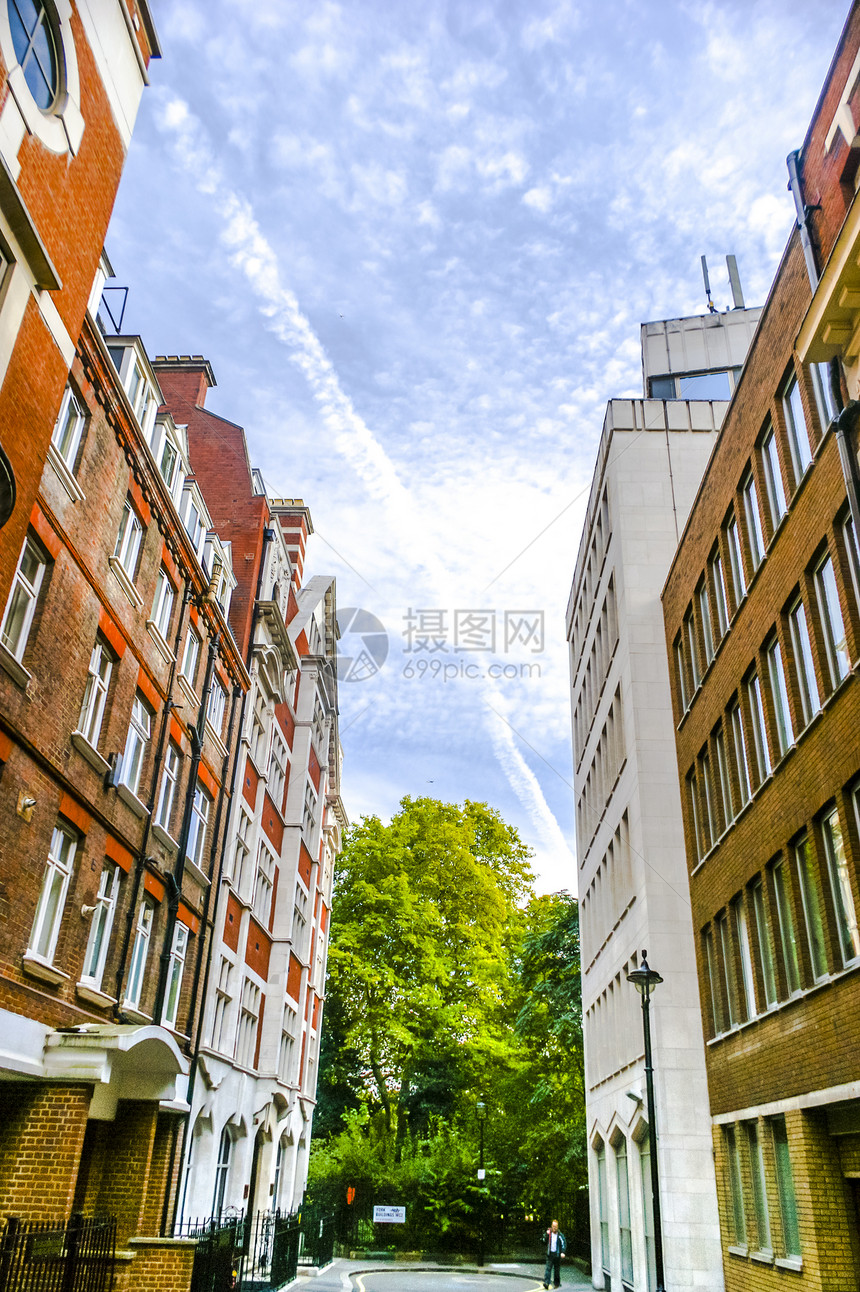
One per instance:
[(136, 384)]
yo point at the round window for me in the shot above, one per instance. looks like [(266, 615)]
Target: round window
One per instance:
[(36, 49)]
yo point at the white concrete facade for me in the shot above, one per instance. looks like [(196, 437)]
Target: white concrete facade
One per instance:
[(632, 872)]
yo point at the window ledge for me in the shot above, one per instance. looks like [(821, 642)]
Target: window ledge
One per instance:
[(64, 475), (14, 668), (762, 1258), (136, 1015), (216, 739), (163, 837), (738, 1251), (87, 990), (159, 642), (90, 752), (36, 967), (130, 799), (789, 1263), (125, 582), (192, 869), (190, 694)]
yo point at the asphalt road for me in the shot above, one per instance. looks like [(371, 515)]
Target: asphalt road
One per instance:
[(400, 1280)]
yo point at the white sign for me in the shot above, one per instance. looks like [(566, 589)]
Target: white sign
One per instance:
[(389, 1215)]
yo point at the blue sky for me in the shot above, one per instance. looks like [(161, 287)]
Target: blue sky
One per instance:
[(416, 242)]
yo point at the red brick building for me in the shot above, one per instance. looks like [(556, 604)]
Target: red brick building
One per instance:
[(254, 1086), (762, 615)]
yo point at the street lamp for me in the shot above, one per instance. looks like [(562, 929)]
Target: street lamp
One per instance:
[(645, 979), (481, 1114)]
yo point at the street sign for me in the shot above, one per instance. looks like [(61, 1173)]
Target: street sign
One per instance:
[(389, 1215)]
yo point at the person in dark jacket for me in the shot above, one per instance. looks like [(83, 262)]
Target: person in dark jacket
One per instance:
[(556, 1246)]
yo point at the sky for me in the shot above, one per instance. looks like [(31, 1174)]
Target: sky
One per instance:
[(416, 242)]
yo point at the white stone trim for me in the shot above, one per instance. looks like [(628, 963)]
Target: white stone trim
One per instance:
[(62, 128), (812, 1099)]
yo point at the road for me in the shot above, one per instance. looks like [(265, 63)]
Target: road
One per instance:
[(403, 1279)]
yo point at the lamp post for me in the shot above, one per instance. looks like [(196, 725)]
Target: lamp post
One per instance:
[(481, 1114), (645, 979)]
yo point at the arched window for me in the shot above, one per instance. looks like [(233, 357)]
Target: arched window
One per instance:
[(222, 1170), (35, 45)]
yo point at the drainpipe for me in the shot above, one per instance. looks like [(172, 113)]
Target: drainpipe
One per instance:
[(845, 426), (803, 213), (174, 880), (156, 769)]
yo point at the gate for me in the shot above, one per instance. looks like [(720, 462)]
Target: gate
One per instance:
[(43, 1256), (218, 1255), (271, 1251), (318, 1235)]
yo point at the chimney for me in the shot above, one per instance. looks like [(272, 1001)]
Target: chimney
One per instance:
[(184, 379), (294, 519)]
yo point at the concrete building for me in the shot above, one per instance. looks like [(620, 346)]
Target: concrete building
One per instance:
[(762, 617), (255, 1076), (630, 844)]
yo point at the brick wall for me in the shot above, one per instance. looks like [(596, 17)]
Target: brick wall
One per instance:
[(159, 1265), (41, 1136)]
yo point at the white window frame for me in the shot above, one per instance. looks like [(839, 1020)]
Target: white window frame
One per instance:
[(191, 655), (755, 533), (719, 578), (832, 622), (216, 706), (129, 540), (223, 1004), (278, 758), (820, 373), (139, 734), (24, 588), (175, 973), (704, 598), (95, 693), (773, 478), (242, 850), (140, 953), (759, 726), (199, 826), (169, 782), (162, 606), (52, 897), (740, 749), (264, 880), (779, 694), (249, 1021), (805, 662), (101, 925), (69, 429), (839, 871), (813, 912), (798, 432), (736, 558)]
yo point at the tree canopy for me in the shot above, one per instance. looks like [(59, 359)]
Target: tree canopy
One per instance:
[(449, 983)]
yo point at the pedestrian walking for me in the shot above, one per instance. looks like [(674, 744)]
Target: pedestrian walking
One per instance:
[(556, 1246)]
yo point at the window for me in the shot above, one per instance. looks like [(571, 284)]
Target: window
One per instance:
[(758, 726), (135, 745), (727, 961), (66, 438), (740, 749), (710, 826), (787, 936), (128, 540), (624, 1213), (762, 942), (692, 648), (249, 1016), (18, 619), (277, 770), (310, 810), (101, 925), (759, 1187), (753, 515), (216, 706), (736, 560), (831, 621), (167, 461), (726, 801), (681, 671), (190, 656), (222, 1171), (804, 662), (162, 607), (259, 733), (223, 1002), (853, 552), (736, 1186), (35, 46), (747, 983), (169, 780), (199, 824), (773, 478), (289, 1030), (95, 694), (779, 695), (139, 955), (175, 970), (821, 383), (242, 850), (52, 898), (263, 883), (191, 518), (840, 884), (705, 612), (795, 424), (718, 579), (785, 1187), (717, 1012), (811, 898), (693, 801), (603, 1199)]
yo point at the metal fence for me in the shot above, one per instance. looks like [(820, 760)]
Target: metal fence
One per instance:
[(318, 1236), (239, 1253), (67, 1256)]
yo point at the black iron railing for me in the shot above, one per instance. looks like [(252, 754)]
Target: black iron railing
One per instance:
[(66, 1256)]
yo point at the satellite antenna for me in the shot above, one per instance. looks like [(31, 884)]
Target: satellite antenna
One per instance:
[(712, 309), (735, 280)]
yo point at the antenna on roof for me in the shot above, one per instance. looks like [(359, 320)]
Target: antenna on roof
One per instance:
[(712, 309), (735, 280)]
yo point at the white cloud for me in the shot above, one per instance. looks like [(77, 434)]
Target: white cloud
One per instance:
[(539, 198)]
